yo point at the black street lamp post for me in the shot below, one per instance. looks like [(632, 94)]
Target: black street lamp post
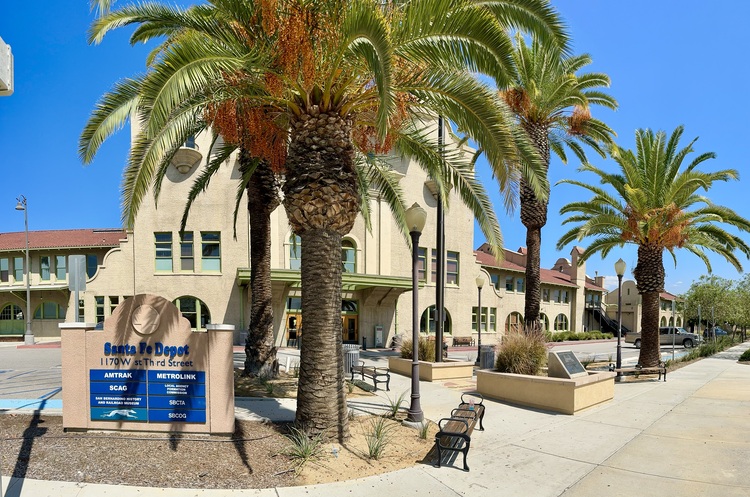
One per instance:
[(480, 284), (22, 205), (620, 270), (415, 218)]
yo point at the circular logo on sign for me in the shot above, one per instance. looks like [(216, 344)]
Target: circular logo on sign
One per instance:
[(145, 320)]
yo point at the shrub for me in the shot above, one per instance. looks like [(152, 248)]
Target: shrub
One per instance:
[(303, 447), (563, 336), (522, 353), (426, 350), (745, 355), (394, 405), (379, 438)]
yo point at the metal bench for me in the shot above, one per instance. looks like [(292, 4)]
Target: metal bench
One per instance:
[(463, 341), (454, 433), (373, 373), (638, 370)]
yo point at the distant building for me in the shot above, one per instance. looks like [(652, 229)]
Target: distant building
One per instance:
[(632, 309)]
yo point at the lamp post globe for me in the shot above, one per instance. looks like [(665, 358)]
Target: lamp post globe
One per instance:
[(416, 217)]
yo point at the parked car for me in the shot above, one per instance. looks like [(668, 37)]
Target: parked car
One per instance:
[(666, 334), (719, 332)]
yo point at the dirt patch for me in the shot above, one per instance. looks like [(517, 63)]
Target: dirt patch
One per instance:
[(285, 386), (36, 447)]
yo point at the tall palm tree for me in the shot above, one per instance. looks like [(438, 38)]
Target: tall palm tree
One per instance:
[(656, 205), (323, 70), (551, 102)]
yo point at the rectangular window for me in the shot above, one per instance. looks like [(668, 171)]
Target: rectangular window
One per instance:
[(92, 263), (556, 296), (520, 285), (495, 279), (44, 267), (451, 267), (61, 268), (493, 319), (509, 283), (474, 318), (422, 263), (99, 309), (163, 243), (4, 270), (210, 251), (295, 252), (113, 303), (433, 267), (187, 258), (545, 294), (565, 296), (18, 269)]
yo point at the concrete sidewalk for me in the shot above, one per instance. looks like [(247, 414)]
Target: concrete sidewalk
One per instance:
[(687, 436)]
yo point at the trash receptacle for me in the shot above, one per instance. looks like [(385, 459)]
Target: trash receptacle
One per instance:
[(486, 356), (351, 358)]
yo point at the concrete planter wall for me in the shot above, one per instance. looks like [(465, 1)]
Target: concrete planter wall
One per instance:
[(431, 371), (551, 394)]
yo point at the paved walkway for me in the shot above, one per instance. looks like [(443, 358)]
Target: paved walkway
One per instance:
[(687, 436)]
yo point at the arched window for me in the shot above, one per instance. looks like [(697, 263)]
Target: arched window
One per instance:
[(49, 310), (679, 322), (11, 312), (545, 321), (195, 311), (663, 322), (427, 323), (561, 322), (514, 322), (348, 256), (671, 321)]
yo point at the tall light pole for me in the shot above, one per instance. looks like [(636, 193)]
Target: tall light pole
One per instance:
[(28, 337), (415, 219), (480, 284), (620, 270)]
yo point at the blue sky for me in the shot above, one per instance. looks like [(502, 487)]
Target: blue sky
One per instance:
[(671, 62)]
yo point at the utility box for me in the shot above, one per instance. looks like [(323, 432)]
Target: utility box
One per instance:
[(379, 336), (6, 69)]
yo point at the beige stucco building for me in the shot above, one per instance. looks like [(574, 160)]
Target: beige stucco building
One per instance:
[(632, 309), (205, 270)]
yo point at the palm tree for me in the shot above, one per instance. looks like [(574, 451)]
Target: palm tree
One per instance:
[(657, 206), (552, 102), (320, 71)]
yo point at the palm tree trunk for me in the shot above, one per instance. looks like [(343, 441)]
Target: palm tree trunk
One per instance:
[(262, 199), (534, 217), (321, 199), (649, 278), (321, 398)]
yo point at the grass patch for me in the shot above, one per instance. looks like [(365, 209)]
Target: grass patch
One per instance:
[(379, 437), (303, 447)]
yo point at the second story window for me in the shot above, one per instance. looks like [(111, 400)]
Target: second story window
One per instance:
[(44, 267), (61, 268), (556, 296), (163, 246), (91, 264), (520, 287), (451, 267), (4, 270), (545, 294), (348, 256), (295, 252), (422, 263), (18, 269), (509, 283), (187, 257), (210, 251)]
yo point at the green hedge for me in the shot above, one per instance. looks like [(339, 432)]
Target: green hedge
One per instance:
[(745, 355), (564, 336)]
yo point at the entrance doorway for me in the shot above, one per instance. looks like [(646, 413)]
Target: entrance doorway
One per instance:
[(350, 328), (293, 329)]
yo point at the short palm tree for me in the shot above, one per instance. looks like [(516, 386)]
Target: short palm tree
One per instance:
[(552, 104), (656, 205), (316, 72)]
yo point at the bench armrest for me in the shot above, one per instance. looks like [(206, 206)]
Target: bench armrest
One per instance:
[(381, 370), (475, 396), (460, 420), (465, 413)]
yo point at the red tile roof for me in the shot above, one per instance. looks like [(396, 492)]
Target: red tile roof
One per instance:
[(61, 239), (548, 276)]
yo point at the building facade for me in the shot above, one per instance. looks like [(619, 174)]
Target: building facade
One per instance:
[(205, 271), (670, 307)]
